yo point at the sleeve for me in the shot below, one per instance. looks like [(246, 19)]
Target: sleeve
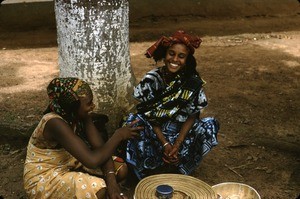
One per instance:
[(149, 87), (202, 101), (199, 103)]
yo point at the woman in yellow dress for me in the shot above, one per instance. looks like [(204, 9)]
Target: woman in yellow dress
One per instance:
[(65, 141)]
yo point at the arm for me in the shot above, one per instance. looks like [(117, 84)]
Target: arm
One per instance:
[(113, 189), (167, 147), (198, 105), (58, 130), (108, 169), (186, 126), (159, 134), (93, 135), (171, 151)]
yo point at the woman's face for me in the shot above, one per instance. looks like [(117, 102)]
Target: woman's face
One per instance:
[(176, 57), (86, 106)]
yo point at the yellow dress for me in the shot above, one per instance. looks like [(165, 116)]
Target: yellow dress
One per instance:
[(49, 172)]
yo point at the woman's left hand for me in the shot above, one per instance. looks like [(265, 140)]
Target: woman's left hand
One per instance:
[(174, 154)]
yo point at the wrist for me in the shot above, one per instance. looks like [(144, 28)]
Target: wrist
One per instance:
[(109, 173), (178, 143), (165, 144), (118, 136)]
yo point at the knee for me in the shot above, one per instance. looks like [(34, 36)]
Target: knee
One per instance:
[(216, 124), (212, 123), (101, 193), (122, 173)]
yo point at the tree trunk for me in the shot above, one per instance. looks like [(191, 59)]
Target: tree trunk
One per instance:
[(93, 43)]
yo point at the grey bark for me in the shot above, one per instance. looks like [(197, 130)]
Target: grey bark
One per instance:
[(93, 43)]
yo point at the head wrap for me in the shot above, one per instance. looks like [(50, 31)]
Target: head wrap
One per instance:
[(179, 36), (63, 92)]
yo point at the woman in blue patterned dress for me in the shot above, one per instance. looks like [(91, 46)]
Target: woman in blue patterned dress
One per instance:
[(170, 100)]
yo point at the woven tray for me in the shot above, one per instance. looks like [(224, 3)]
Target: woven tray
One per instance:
[(185, 187)]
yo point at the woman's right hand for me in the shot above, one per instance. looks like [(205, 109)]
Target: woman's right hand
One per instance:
[(129, 131)]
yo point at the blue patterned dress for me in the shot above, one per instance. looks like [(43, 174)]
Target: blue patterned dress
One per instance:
[(169, 106)]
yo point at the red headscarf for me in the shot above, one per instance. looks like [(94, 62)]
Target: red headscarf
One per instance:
[(179, 36)]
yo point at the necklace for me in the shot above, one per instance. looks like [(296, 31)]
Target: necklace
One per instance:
[(167, 76)]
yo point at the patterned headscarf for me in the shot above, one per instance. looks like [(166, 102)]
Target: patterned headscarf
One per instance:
[(179, 36), (65, 92)]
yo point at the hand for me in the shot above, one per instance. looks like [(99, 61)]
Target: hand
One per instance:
[(175, 149), (167, 149), (170, 154), (113, 189), (137, 122), (129, 131), (174, 152), (117, 195)]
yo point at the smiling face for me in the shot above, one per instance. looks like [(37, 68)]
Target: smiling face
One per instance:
[(176, 57)]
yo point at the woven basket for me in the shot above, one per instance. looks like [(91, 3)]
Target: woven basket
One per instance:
[(185, 187), (234, 190)]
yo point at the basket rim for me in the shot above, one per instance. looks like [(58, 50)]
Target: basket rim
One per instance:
[(236, 183)]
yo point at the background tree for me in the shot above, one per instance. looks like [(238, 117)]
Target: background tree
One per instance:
[(93, 44)]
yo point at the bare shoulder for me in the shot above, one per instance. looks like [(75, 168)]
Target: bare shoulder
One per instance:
[(55, 127)]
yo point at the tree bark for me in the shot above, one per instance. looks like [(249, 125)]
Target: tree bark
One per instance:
[(93, 44)]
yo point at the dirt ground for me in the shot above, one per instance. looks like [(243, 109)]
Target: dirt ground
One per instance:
[(252, 70)]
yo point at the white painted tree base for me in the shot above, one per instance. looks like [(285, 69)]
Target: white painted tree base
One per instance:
[(93, 43)]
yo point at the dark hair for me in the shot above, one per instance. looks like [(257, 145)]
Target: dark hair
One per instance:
[(160, 53), (70, 109), (191, 63)]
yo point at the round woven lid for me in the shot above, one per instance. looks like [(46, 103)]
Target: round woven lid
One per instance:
[(184, 187)]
